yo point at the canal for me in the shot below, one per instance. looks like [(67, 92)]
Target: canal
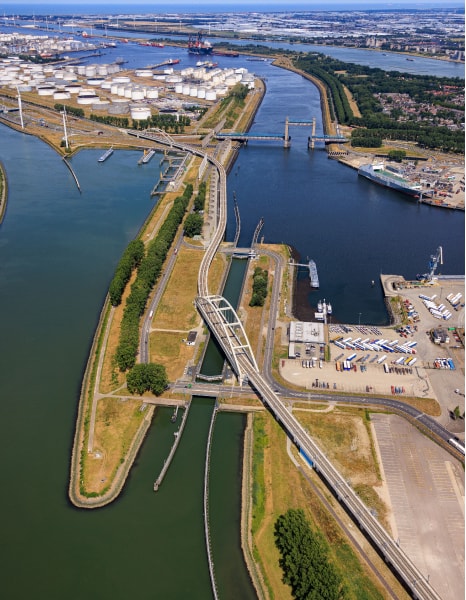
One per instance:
[(58, 250)]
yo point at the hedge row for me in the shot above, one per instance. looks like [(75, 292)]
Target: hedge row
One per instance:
[(148, 272)]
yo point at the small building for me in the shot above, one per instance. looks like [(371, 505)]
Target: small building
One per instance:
[(303, 335), (191, 339), (439, 336), (307, 332)]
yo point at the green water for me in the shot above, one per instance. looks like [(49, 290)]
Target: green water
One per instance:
[(214, 359), (58, 250), (225, 513)]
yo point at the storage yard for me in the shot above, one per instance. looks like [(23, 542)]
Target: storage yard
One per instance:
[(422, 359)]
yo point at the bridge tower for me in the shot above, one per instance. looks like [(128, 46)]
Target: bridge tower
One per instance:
[(287, 139), (310, 143)]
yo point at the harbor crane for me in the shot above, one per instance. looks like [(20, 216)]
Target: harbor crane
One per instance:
[(435, 259)]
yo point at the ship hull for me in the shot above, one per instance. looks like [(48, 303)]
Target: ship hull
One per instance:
[(200, 51), (399, 186)]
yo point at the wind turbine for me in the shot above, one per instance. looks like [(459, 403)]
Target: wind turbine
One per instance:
[(20, 108)]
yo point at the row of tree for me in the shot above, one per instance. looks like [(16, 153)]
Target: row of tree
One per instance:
[(365, 84), (71, 110), (148, 272), (195, 221), (111, 120), (305, 559), (338, 97), (166, 122), (259, 287), (130, 260)]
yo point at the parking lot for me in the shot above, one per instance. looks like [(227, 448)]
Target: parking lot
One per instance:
[(426, 491), (424, 369)]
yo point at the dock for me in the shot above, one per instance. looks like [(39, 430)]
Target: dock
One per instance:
[(166, 464), (106, 155)]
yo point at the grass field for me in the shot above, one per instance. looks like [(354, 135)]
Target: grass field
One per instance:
[(284, 487), (116, 424)]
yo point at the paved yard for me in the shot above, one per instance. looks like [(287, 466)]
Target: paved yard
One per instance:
[(426, 489)]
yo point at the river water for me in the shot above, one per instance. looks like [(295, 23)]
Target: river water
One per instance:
[(58, 249)]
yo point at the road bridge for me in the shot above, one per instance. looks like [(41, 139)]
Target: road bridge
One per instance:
[(225, 325), (285, 137)]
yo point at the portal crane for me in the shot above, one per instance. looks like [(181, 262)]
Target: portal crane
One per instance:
[(435, 259)]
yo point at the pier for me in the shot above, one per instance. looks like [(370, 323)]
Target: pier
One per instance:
[(168, 460), (206, 504), (72, 172)]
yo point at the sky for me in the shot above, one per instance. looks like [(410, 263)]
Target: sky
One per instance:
[(306, 4)]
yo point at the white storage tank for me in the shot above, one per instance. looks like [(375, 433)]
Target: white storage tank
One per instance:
[(81, 69), (95, 81), (101, 105), (128, 91), (159, 77), (137, 94), (73, 89), (201, 92), (114, 89), (140, 112), (211, 95), (193, 91), (87, 97), (118, 107), (121, 79), (121, 90), (173, 79), (90, 71), (69, 76), (186, 89), (102, 70), (221, 90), (143, 73), (61, 95), (46, 90), (106, 85), (179, 88), (152, 93)]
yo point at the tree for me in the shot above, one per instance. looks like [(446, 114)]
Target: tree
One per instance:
[(396, 155), (150, 377), (304, 559), (193, 225)]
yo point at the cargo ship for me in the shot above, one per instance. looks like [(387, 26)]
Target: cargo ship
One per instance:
[(313, 274), (379, 174), (197, 45)]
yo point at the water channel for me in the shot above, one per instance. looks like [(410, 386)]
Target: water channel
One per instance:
[(58, 249)]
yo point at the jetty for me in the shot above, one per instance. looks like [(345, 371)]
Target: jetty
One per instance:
[(72, 173), (168, 460)]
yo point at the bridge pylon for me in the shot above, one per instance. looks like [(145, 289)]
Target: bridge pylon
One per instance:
[(287, 139), (311, 141)]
